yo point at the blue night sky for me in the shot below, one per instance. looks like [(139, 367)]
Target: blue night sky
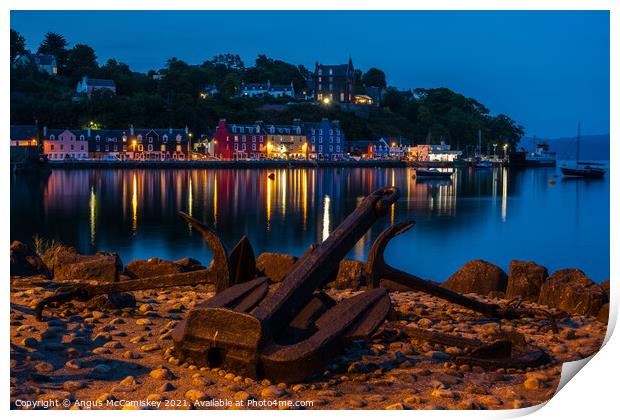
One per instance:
[(547, 70)]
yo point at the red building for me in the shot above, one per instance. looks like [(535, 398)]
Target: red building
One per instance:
[(239, 141)]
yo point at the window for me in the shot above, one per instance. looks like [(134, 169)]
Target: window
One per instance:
[(72, 147), (139, 137), (163, 148), (236, 146), (51, 147), (243, 138), (337, 139), (124, 148), (338, 148), (331, 71), (81, 137), (178, 138), (243, 146), (320, 131), (107, 148), (236, 138), (331, 131), (313, 138), (331, 148), (97, 137), (241, 129), (320, 148), (150, 139), (320, 72), (150, 148), (260, 138), (178, 148), (62, 146), (165, 138), (98, 148), (52, 137), (320, 86), (115, 148), (254, 146), (140, 147), (253, 139), (124, 139), (320, 139)]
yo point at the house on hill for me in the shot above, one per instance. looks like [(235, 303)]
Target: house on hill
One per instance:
[(267, 89), (334, 83), (87, 86), (44, 62), (24, 135)]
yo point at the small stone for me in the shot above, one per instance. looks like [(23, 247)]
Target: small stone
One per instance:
[(167, 386), (151, 347), (161, 374), (145, 308), (129, 381), (144, 321), (272, 392), (397, 406), (241, 396), (196, 395), (113, 345), (131, 355), (533, 384), (74, 364), (44, 367)]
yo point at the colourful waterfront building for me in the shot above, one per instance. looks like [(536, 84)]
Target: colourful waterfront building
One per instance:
[(64, 144)]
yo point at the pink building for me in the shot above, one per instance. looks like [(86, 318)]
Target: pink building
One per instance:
[(65, 144)]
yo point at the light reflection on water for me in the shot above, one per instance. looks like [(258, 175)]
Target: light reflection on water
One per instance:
[(497, 214)]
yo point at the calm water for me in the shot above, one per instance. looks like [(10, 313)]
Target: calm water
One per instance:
[(497, 215)]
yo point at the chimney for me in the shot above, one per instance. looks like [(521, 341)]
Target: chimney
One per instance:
[(88, 131), (170, 130), (131, 130), (45, 131), (186, 130)]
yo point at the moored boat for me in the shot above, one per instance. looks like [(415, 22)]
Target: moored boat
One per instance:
[(583, 169), (432, 174)]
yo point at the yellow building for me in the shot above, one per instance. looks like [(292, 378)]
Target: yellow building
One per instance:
[(287, 146)]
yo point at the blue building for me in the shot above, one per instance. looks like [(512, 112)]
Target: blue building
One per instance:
[(325, 139)]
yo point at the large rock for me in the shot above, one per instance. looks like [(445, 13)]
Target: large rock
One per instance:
[(25, 262), (151, 268), (351, 275), (275, 266), (479, 277), (572, 291), (66, 263), (524, 280), (603, 314)]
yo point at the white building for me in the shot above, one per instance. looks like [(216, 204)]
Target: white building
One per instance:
[(267, 89)]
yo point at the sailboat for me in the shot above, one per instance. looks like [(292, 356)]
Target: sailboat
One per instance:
[(583, 169)]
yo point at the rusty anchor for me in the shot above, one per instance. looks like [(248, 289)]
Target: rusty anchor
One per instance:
[(510, 350), (293, 331), (223, 272)]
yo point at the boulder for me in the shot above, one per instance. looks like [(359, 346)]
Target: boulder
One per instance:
[(151, 268), (189, 264), (275, 266), (479, 277), (66, 263), (351, 275), (603, 314), (605, 287), (524, 280), (25, 262), (572, 291)]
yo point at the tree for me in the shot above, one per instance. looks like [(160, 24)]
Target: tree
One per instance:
[(374, 77), (56, 45), (18, 44), (81, 60)]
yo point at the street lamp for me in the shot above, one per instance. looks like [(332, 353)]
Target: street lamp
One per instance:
[(494, 148), (505, 150)]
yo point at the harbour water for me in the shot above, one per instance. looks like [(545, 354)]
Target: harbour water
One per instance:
[(497, 214)]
